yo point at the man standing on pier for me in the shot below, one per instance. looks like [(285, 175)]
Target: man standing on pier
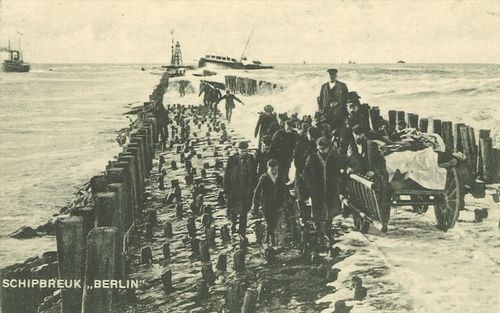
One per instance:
[(333, 97), (229, 103), (239, 183)]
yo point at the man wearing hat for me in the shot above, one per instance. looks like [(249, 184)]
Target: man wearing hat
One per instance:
[(321, 177), (354, 114), (306, 145), (266, 120), (239, 183), (332, 100)]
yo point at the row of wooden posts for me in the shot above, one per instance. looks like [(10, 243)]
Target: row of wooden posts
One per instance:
[(92, 242), (249, 86), (481, 158)]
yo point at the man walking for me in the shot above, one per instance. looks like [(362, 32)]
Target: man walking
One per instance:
[(282, 147), (321, 176), (230, 98), (239, 183)]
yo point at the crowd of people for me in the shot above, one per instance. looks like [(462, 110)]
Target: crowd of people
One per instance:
[(319, 147)]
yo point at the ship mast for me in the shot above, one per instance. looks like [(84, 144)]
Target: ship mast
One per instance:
[(246, 45), (172, 53)]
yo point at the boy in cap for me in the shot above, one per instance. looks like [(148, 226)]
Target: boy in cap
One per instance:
[(321, 176), (270, 193), (239, 183)]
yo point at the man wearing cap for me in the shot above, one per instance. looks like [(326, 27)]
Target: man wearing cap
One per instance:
[(306, 145), (265, 122), (230, 98), (282, 146), (332, 99), (239, 183), (321, 177)]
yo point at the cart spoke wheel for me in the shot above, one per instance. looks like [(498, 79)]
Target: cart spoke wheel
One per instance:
[(447, 208)]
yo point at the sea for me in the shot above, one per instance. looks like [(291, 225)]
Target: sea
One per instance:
[(59, 124)]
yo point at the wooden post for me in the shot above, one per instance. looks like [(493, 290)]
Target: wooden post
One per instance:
[(400, 116), (447, 134), (375, 118), (472, 141), (457, 137), (167, 230), (392, 118), (250, 301), (436, 126), (210, 236), (233, 297), (207, 272), (202, 289), (191, 227), (487, 161), (101, 251), (259, 232), (423, 125), (412, 120), (146, 255), (70, 259), (221, 262), (166, 279), (204, 251), (467, 150), (239, 261), (166, 251)]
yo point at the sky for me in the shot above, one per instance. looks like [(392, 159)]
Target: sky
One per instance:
[(283, 32)]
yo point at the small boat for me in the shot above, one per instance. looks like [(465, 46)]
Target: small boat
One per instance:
[(231, 62), (401, 62), (15, 63)]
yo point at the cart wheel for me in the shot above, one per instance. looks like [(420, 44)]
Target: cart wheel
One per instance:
[(360, 224), (419, 208), (447, 209)]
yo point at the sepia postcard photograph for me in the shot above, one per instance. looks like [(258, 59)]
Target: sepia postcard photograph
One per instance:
[(249, 156)]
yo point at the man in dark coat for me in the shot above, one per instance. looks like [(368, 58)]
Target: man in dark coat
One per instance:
[(332, 99), (239, 184), (321, 176), (265, 122), (282, 147), (270, 193), (305, 146), (354, 114)]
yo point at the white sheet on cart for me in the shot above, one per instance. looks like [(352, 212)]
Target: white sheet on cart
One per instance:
[(421, 166)]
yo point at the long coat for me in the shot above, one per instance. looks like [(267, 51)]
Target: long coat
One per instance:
[(239, 182), (339, 93), (321, 176)]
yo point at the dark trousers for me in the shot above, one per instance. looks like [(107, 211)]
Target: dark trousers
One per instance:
[(271, 216), (241, 219), (229, 113)]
